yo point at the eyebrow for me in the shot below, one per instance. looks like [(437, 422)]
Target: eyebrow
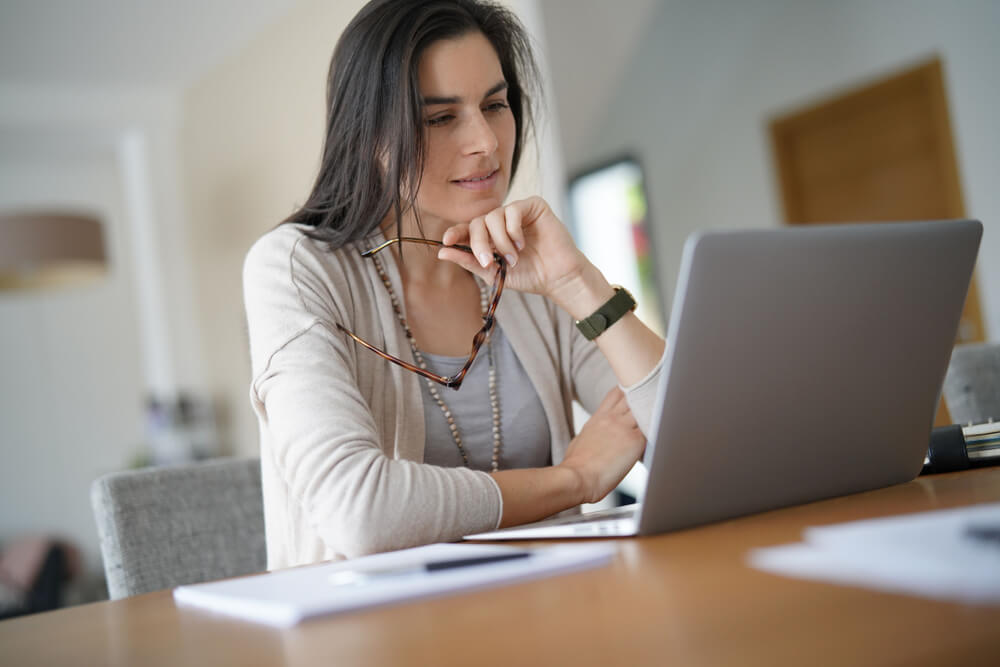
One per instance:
[(427, 101)]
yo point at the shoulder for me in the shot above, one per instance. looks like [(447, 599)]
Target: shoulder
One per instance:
[(291, 283), (288, 255), (280, 248), (289, 275)]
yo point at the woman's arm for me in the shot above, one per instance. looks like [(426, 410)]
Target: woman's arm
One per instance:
[(330, 441), (544, 260), (631, 347), (596, 461)]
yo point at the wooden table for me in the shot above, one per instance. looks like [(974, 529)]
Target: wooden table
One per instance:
[(684, 598)]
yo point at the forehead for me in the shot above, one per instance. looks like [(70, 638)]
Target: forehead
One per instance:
[(463, 66)]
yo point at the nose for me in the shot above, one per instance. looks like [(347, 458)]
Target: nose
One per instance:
[(480, 137)]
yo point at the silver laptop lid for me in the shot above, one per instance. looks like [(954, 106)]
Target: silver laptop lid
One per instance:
[(803, 363)]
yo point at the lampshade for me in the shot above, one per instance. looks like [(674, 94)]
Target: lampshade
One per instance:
[(49, 249)]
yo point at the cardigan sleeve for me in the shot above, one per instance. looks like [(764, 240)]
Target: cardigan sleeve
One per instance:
[(323, 437)]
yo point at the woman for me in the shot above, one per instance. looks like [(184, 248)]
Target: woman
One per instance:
[(361, 450)]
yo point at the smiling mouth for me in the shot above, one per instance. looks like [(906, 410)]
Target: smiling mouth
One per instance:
[(477, 179)]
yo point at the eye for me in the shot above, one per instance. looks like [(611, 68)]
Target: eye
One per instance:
[(437, 121), (496, 107)]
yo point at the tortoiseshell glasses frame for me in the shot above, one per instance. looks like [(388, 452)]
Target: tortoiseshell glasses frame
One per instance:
[(454, 381)]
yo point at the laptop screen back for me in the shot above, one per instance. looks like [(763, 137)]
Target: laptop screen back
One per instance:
[(803, 363)]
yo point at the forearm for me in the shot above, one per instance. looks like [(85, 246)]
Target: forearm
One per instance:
[(531, 494), (631, 348)]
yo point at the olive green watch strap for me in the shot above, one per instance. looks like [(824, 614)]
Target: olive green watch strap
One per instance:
[(613, 310)]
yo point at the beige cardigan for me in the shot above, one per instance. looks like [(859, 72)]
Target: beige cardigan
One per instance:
[(342, 430)]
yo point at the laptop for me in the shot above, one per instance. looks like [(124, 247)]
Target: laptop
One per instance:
[(802, 363)]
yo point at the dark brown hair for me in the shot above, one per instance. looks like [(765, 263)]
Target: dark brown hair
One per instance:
[(374, 150)]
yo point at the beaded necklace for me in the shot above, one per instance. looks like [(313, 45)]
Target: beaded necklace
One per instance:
[(432, 387)]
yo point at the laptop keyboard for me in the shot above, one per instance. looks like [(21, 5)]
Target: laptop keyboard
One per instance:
[(623, 512)]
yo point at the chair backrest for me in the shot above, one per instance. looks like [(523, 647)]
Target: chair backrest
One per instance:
[(164, 527), (972, 384)]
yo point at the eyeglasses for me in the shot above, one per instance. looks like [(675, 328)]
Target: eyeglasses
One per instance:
[(455, 381)]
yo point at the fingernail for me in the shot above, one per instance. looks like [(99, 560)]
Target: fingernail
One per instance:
[(485, 259), (519, 244), (511, 260)]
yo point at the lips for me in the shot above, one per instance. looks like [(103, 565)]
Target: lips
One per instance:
[(480, 181), (478, 177)]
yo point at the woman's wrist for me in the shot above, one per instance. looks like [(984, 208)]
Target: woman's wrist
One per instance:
[(583, 292), (575, 482), (531, 494)]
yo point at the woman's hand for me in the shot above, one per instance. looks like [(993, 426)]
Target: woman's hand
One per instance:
[(540, 252), (607, 447), (544, 260)]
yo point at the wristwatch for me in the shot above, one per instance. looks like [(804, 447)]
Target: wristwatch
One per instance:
[(613, 310)]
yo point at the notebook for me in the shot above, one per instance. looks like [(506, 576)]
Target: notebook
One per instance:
[(802, 363), (286, 597)]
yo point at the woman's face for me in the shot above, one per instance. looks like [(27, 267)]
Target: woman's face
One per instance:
[(469, 130)]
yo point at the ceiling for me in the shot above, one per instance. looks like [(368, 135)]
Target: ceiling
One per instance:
[(151, 43), (167, 45)]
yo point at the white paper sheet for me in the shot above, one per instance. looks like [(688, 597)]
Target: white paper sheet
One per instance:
[(947, 554), (286, 597)]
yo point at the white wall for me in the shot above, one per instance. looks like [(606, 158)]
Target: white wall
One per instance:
[(251, 136), (72, 381), (708, 76), (79, 363), (52, 123)]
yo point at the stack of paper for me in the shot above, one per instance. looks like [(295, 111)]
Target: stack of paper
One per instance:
[(286, 597), (947, 554)]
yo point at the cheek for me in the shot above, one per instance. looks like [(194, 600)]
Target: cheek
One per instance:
[(433, 192), (435, 161), (508, 134)]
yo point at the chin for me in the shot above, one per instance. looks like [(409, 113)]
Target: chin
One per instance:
[(465, 213), (483, 207), (460, 207)]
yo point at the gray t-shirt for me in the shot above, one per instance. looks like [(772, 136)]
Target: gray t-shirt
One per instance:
[(523, 427)]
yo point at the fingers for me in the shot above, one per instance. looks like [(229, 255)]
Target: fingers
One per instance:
[(501, 230), (615, 406), (455, 234), (610, 399), (515, 226), (461, 234), (496, 222), (467, 262), (614, 401), (479, 241)]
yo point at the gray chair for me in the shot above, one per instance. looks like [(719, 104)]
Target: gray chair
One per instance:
[(164, 527), (972, 384)]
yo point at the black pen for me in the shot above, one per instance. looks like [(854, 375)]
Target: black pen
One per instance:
[(349, 577)]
